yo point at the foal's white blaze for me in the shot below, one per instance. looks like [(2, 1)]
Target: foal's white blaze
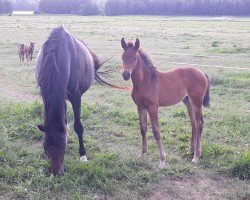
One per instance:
[(83, 159)]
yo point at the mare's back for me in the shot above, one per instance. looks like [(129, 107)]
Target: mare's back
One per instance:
[(55, 55)]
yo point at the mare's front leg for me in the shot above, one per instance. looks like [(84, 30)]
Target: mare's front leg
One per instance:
[(143, 126), (153, 113), (76, 104)]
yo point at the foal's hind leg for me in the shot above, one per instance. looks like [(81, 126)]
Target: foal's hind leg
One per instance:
[(192, 120), (153, 113), (199, 127), (76, 104), (143, 127)]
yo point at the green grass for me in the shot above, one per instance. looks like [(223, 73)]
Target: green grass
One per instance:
[(110, 119)]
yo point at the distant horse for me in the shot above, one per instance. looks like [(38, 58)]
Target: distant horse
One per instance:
[(21, 51), (153, 88), (65, 69), (29, 51)]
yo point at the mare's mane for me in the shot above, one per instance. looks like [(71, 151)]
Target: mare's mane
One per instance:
[(53, 89)]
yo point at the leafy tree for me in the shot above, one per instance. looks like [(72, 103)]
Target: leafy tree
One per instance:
[(2, 7), (137, 7), (26, 4), (7, 6), (89, 8), (115, 7)]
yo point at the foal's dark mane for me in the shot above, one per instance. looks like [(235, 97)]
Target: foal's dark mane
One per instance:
[(149, 63), (52, 88)]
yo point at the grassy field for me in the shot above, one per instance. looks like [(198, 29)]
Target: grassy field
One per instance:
[(220, 49)]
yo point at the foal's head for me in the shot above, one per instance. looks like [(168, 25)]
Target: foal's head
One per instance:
[(32, 45), (55, 142), (21, 46), (129, 57)]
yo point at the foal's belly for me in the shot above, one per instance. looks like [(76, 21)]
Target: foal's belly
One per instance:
[(169, 98)]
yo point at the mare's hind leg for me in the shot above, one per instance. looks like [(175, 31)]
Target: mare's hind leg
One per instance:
[(192, 120), (76, 104), (143, 127), (153, 114)]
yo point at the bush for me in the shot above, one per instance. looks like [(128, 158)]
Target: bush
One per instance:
[(241, 166)]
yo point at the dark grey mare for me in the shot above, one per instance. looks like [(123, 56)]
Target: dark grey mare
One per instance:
[(65, 69)]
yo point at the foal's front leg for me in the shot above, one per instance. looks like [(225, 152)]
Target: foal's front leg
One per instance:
[(153, 113), (143, 127)]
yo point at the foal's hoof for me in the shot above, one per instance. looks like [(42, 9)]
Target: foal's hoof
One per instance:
[(195, 159), (142, 155), (83, 159)]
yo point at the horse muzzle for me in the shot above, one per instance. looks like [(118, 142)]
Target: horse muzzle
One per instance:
[(126, 75)]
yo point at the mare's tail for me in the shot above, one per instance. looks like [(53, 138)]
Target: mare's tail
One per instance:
[(98, 74), (206, 100)]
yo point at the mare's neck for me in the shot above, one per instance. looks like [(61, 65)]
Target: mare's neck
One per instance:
[(140, 75), (55, 111)]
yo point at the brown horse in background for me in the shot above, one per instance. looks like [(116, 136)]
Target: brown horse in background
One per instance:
[(153, 88), (29, 51), (21, 51), (25, 50)]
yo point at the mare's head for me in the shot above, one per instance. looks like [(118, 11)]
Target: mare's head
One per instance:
[(32, 45), (129, 57), (55, 143)]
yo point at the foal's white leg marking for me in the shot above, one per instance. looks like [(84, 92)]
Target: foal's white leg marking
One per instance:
[(195, 159), (83, 159), (162, 164), (67, 127)]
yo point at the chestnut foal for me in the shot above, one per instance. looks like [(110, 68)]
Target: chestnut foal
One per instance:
[(153, 88)]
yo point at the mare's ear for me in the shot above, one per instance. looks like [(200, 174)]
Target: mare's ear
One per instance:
[(41, 128), (137, 44), (123, 43)]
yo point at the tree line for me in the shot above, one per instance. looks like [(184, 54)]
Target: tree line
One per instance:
[(131, 7), (177, 7), (147, 7)]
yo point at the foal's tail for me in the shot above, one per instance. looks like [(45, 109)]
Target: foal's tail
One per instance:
[(206, 100)]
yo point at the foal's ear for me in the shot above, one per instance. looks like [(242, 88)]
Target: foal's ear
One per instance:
[(123, 43), (137, 44), (41, 128)]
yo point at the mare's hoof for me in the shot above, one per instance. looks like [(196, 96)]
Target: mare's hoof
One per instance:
[(83, 159)]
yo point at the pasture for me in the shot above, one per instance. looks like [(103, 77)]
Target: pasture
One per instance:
[(220, 48)]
